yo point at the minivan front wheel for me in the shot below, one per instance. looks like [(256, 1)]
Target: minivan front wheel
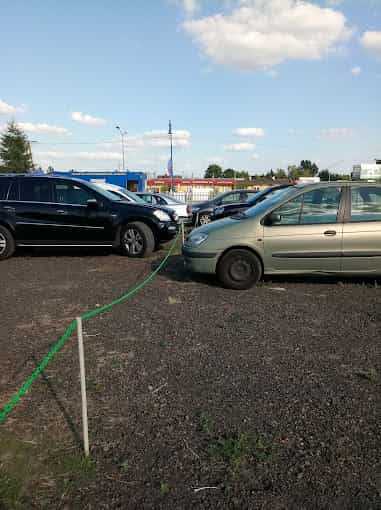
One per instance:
[(137, 240), (7, 243), (239, 269)]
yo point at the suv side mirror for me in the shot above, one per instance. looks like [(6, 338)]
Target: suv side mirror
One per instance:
[(92, 203), (272, 218)]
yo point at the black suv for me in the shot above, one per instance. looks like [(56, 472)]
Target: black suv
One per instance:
[(54, 211)]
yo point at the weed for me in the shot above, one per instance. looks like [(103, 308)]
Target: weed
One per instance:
[(236, 450), (164, 488), (77, 465), (206, 424), (124, 466), (370, 375)]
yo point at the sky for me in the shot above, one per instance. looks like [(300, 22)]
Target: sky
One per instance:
[(248, 84)]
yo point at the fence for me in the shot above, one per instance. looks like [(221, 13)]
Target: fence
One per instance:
[(193, 196), (59, 344)]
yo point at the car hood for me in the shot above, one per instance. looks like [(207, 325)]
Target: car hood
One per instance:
[(146, 207), (227, 227), (201, 205)]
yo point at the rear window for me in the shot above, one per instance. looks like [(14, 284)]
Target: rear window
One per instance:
[(366, 204), (4, 187)]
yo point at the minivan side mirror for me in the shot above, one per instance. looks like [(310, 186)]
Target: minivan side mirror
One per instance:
[(272, 218), (92, 203)]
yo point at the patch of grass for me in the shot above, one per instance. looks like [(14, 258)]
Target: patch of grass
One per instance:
[(164, 488), (10, 492), (77, 466), (235, 450)]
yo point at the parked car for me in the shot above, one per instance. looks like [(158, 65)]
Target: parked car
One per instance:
[(225, 210), (305, 229), (183, 210), (128, 195), (202, 212), (56, 211)]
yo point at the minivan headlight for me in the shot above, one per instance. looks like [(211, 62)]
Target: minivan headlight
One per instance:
[(162, 215), (197, 239)]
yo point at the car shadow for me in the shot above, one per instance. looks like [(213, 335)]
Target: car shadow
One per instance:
[(176, 271), (64, 252)]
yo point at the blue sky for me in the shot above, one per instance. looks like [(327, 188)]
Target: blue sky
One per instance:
[(249, 84)]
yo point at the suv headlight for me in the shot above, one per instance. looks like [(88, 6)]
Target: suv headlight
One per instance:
[(161, 215), (197, 239)]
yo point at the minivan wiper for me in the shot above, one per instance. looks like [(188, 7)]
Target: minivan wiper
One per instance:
[(238, 216)]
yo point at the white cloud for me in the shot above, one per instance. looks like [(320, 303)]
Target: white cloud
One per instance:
[(335, 133), (334, 3), (88, 156), (88, 120), (255, 156), (372, 42), (181, 138), (356, 70), (99, 156), (263, 33), (43, 128), (191, 6), (239, 147), (8, 109), (49, 155), (249, 132)]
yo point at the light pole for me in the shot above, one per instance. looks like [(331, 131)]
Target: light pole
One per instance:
[(170, 133), (122, 134)]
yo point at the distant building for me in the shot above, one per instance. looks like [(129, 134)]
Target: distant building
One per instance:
[(367, 171)]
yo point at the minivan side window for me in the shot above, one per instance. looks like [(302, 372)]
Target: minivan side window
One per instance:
[(312, 208), (366, 204), (35, 190), (71, 193)]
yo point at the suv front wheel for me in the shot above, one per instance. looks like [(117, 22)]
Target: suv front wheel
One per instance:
[(7, 243), (137, 240)]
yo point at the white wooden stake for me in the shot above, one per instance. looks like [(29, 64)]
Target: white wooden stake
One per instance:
[(83, 387), (183, 231)]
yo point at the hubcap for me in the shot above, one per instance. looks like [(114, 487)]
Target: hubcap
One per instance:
[(3, 243), (240, 270), (133, 241), (205, 219)]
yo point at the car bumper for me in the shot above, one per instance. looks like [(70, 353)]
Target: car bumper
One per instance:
[(167, 231), (200, 262)]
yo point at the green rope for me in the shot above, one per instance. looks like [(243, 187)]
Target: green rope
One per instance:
[(15, 399)]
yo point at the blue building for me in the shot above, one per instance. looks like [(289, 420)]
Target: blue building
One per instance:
[(133, 181)]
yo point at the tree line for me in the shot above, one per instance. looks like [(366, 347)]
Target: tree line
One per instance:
[(306, 168)]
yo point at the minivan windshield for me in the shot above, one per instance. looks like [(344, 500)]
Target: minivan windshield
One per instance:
[(272, 199)]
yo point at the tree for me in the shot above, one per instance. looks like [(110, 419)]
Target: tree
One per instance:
[(15, 152), (213, 171), (280, 174), (229, 173)]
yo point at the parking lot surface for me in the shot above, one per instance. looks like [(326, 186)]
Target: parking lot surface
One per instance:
[(199, 397)]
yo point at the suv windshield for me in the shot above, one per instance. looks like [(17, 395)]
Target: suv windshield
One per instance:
[(107, 194)]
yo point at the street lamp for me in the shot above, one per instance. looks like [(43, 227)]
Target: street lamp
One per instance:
[(122, 134)]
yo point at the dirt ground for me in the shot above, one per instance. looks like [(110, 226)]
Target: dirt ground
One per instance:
[(199, 397)]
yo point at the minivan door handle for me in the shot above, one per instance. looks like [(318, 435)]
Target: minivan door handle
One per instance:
[(330, 233), (9, 208), (61, 211)]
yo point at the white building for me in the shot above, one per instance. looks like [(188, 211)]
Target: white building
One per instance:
[(367, 171)]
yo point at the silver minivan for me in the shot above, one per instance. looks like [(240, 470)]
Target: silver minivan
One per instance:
[(307, 229)]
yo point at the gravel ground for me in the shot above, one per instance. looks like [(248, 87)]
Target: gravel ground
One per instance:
[(268, 398)]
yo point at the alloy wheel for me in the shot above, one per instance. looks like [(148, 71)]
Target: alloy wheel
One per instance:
[(133, 241), (3, 243), (204, 219)]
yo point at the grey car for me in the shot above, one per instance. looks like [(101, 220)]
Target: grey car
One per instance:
[(331, 228)]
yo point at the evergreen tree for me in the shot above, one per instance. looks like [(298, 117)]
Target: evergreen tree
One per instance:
[(15, 152)]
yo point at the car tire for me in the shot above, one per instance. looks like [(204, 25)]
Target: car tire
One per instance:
[(239, 269), (137, 240), (7, 243), (204, 219)]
